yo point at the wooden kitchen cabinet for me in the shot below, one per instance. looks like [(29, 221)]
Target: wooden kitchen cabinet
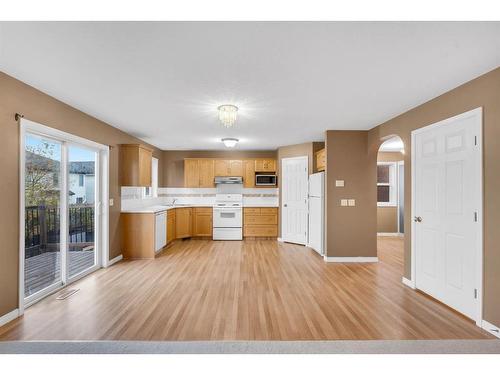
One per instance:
[(138, 235), (236, 168), (207, 173), (320, 160), (202, 222), (265, 165), (222, 168), (183, 222), (228, 168), (260, 222), (199, 173), (191, 173), (249, 173), (170, 225), (135, 165)]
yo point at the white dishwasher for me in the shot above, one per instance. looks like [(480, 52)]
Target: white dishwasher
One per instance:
[(160, 230)]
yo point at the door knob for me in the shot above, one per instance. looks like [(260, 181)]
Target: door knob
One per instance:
[(286, 205), (417, 219)]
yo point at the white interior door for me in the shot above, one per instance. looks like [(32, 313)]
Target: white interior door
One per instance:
[(447, 211), (294, 179)]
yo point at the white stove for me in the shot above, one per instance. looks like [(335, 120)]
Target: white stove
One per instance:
[(228, 217)]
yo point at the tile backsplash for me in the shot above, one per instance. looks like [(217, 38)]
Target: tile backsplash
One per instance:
[(132, 197)]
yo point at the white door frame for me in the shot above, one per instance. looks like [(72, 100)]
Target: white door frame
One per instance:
[(102, 208), (398, 165), (307, 203), (478, 113)]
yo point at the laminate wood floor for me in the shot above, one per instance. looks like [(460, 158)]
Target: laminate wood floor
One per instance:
[(249, 290)]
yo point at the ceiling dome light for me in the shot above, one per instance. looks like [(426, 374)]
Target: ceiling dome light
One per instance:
[(230, 142), (227, 114)]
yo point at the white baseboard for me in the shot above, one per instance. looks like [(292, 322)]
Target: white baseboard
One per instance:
[(9, 316), (487, 326), (351, 259), (383, 234), (280, 239), (114, 260), (408, 283)]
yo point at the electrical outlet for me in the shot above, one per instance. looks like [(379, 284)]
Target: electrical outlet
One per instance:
[(343, 202), (111, 201), (351, 202), (339, 183)]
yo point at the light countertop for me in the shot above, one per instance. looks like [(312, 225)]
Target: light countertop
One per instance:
[(161, 208)]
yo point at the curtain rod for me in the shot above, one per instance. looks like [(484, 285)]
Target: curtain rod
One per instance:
[(19, 116)]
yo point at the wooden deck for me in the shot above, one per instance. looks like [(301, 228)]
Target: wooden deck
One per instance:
[(44, 270), (244, 290)]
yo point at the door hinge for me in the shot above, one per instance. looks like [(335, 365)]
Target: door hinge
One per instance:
[(475, 216), (475, 293)]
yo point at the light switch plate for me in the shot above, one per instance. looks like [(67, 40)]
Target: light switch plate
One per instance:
[(111, 202), (351, 202), (339, 183), (343, 202)]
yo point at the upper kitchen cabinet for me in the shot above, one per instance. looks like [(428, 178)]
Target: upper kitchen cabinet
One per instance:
[(265, 165), (249, 173), (135, 165), (207, 173), (191, 173), (320, 160), (226, 168), (236, 168), (199, 173)]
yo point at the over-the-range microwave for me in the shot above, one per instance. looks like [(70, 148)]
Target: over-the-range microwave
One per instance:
[(265, 179)]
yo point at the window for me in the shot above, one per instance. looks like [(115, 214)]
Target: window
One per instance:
[(152, 191), (386, 184), (80, 179)]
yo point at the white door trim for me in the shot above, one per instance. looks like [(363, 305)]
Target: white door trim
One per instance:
[(27, 126), (282, 239), (478, 112)]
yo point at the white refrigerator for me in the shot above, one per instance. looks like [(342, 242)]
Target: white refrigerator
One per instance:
[(317, 212)]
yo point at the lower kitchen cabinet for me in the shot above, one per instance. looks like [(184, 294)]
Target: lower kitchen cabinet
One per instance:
[(170, 225), (183, 222), (260, 222), (202, 221), (138, 235)]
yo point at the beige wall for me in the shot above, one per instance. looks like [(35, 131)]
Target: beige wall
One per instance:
[(304, 149), (387, 217), (173, 162), (482, 92), (16, 96), (350, 231)]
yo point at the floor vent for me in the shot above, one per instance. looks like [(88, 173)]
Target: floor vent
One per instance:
[(67, 293)]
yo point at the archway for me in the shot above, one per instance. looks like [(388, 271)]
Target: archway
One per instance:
[(390, 194)]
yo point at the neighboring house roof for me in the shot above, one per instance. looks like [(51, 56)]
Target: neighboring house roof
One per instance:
[(81, 167)]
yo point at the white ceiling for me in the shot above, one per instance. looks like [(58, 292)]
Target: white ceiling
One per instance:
[(162, 81)]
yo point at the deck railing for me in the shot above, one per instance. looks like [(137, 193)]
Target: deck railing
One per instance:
[(42, 228)]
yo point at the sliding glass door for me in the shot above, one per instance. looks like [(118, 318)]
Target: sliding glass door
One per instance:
[(42, 199), (82, 187), (62, 220)]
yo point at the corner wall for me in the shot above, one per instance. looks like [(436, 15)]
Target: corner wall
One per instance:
[(350, 231), (15, 96), (484, 92)]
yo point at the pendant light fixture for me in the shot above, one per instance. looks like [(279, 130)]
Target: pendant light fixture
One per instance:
[(227, 114)]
